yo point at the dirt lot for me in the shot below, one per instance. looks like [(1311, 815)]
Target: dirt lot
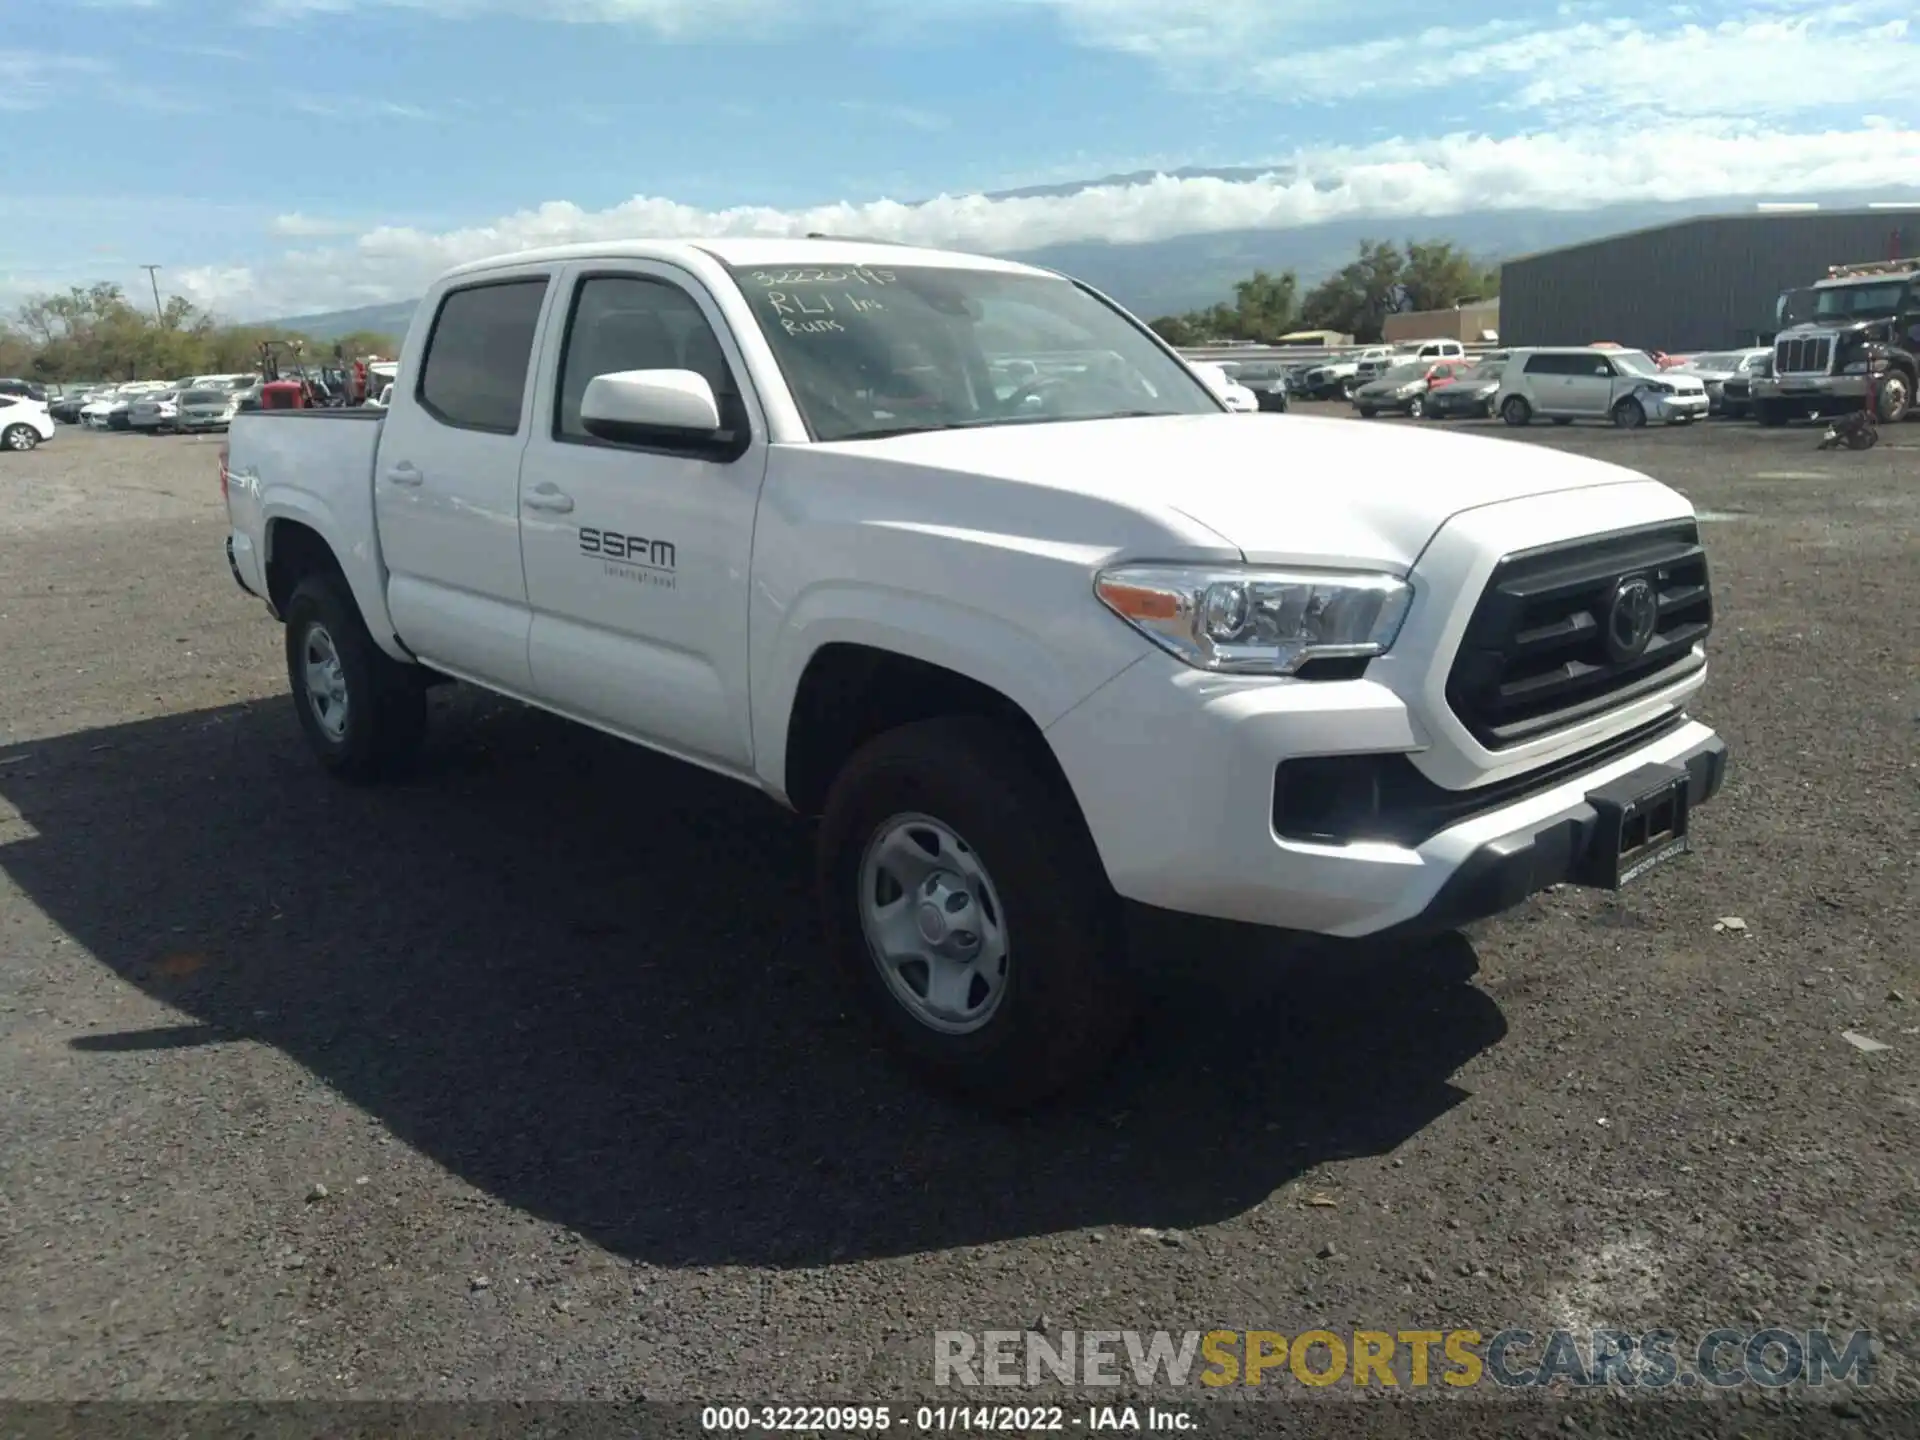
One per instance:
[(592, 1119)]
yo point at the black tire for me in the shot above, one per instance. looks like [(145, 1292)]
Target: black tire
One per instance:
[(1770, 413), (1893, 400), (1068, 998), (1366, 412), (385, 716), (20, 438), (1516, 411), (1629, 414)]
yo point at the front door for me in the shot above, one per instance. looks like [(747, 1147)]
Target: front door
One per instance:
[(447, 484), (1590, 388), (638, 557)]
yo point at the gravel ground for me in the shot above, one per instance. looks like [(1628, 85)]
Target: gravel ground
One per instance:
[(484, 1087)]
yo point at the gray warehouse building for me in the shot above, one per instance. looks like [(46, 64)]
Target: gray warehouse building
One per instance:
[(1698, 284)]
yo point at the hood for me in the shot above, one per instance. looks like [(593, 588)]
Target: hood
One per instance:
[(1468, 387), (1385, 387), (1293, 490)]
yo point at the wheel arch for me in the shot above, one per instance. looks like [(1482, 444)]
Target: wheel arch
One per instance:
[(851, 691), (299, 540)]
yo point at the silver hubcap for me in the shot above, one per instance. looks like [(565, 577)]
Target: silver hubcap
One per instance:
[(326, 682), (933, 924), (20, 438), (1893, 398)]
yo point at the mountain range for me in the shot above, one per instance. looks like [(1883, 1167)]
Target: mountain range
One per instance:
[(1189, 272)]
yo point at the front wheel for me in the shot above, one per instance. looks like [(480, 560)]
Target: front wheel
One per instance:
[(1894, 401), (1629, 415), (1416, 407), (1366, 412), (1516, 411), (960, 889), (363, 713), (20, 438)]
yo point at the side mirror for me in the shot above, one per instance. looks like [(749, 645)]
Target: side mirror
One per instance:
[(635, 406)]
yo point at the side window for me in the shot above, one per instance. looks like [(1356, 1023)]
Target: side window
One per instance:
[(630, 322), (1599, 365), (474, 375), (1546, 365)]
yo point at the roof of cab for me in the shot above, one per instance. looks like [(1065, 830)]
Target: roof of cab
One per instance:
[(751, 250)]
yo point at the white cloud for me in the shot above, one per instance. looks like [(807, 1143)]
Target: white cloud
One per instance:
[(1767, 58), (1393, 180)]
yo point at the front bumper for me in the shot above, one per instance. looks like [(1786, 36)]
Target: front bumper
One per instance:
[(1812, 387), (1680, 407), (1560, 849), (1177, 772)]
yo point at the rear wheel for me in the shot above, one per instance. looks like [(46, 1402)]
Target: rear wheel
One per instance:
[(1366, 412), (20, 437), (1516, 410), (964, 896), (363, 713)]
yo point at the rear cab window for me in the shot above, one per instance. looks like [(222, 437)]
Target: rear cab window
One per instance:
[(479, 354)]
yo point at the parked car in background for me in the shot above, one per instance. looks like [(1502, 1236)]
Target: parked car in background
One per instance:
[(156, 412), (1467, 393), (24, 389), (1736, 394), (1401, 391), (1589, 383), (1232, 393), (65, 406), (1372, 366), (24, 423), (208, 408), (1716, 368), (1339, 377)]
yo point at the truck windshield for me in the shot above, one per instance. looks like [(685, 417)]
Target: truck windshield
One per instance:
[(1859, 302), (873, 351)]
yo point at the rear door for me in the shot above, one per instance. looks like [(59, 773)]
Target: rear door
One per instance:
[(1549, 384), (638, 555), (447, 481)]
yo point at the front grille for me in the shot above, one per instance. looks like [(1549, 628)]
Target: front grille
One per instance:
[(1543, 650), (1811, 355)]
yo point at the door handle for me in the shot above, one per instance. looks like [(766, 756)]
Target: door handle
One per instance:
[(547, 497), (405, 473)]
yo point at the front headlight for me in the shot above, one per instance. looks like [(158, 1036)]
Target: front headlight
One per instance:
[(1258, 622)]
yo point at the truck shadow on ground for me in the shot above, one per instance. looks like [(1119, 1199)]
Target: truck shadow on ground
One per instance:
[(587, 981)]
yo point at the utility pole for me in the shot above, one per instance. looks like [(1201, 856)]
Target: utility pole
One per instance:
[(153, 278)]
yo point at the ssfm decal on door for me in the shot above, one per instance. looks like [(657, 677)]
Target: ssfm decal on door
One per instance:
[(635, 558)]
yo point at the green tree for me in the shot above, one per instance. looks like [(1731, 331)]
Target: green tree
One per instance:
[(1438, 275), (94, 332), (1264, 308), (1357, 298)]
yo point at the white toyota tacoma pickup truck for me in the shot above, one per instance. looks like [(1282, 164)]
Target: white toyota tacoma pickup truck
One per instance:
[(1033, 650)]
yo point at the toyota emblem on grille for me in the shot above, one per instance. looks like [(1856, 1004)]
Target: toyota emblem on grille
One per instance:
[(1631, 617)]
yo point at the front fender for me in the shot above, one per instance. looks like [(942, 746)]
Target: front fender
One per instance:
[(990, 649)]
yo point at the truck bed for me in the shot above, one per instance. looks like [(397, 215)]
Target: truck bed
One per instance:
[(312, 467)]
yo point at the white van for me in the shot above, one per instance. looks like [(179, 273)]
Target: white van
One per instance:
[(1587, 383)]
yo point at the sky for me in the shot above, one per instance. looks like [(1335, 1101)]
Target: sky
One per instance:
[(282, 156)]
